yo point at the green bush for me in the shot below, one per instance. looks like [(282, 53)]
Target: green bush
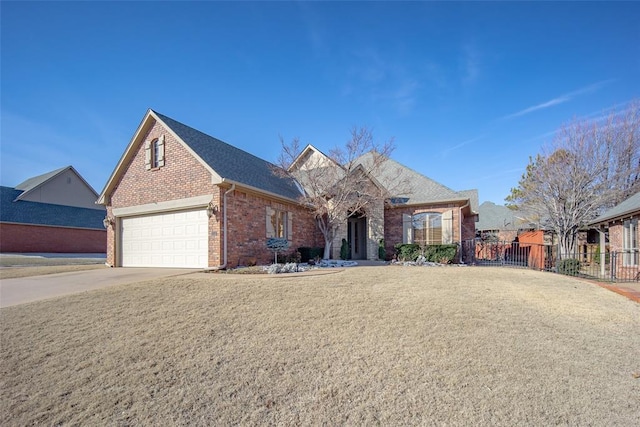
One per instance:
[(569, 267), (307, 253), (292, 257), (382, 252), (344, 249), (407, 251), (444, 254)]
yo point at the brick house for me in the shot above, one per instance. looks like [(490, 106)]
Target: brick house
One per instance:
[(53, 212), (181, 198), (621, 222)]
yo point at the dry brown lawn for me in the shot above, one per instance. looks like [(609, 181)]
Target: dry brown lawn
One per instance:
[(365, 346)]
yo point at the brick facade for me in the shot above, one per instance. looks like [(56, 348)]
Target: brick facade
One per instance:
[(248, 230), (616, 244), (39, 238), (183, 176), (393, 217)]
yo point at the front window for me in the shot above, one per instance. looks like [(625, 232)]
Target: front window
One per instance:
[(427, 228), (278, 223), (630, 243)]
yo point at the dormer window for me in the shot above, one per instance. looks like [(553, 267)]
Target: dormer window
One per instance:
[(154, 153)]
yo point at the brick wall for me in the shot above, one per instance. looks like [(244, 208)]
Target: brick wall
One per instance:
[(248, 231), (37, 238), (181, 177), (393, 223)]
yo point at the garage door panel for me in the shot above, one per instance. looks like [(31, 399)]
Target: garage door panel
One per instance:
[(171, 239)]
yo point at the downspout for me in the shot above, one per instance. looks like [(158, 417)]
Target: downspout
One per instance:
[(224, 228), (460, 227)]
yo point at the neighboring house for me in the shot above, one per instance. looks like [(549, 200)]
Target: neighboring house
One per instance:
[(53, 212), (498, 223), (181, 198), (621, 221)]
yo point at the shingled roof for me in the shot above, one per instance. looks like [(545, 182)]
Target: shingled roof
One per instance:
[(34, 213), (420, 189), (627, 207), (231, 163)]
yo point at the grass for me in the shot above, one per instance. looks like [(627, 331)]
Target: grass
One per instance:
[(383, 345)]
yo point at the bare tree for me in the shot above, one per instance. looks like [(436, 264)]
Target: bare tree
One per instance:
[(344, 183), (589, 167)]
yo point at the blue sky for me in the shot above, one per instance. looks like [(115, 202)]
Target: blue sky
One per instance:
[(468, 91)]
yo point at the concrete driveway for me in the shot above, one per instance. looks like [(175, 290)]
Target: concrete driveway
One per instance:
[(35, 288)]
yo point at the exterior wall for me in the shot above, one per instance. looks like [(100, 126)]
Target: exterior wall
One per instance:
[(248, 231), (393, 223), (38, 238), (375, 229), (375, 232), (181, 177), (616, 244), (65, 189)]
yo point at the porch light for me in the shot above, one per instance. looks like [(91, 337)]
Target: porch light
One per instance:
[(212, 210), (108, 220)]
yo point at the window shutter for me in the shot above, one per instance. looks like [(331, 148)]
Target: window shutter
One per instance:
[(289, 226), (447, 227), (161, 151), (147, 155), (270, 230), (406, 229)]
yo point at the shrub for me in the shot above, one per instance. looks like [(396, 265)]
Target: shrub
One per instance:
[(444, 254), (293, 257), (407, 251), (596, 256), (344, 249), (276, 244), (569, 266), (382, 252), (307, 253)]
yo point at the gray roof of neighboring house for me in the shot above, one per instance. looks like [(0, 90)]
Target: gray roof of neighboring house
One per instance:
[(26, 212), (421, 189), (232, 163), (496, 217), (35, 181), (629, 206)]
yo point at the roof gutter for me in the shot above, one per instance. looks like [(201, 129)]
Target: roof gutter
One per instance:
[(224, 227)]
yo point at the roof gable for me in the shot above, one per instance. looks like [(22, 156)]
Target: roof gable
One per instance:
[(33, 182), (64, 186), (225, 162)]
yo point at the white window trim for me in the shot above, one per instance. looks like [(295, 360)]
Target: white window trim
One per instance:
[(288, 223), (630, 243)]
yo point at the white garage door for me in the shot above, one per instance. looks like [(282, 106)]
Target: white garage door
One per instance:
[(173, 239)]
